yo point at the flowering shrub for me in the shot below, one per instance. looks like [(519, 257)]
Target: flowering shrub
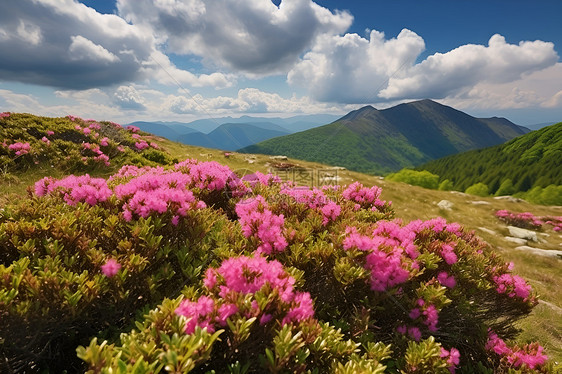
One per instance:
[(529, 356), (528, 220), (20, 148), (229, 274)]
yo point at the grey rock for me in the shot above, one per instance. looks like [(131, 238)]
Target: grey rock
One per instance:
[(541, 252), (445, 205), (518, 232), (516, 240)]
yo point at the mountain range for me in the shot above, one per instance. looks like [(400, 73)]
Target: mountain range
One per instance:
[(228, 133), (381, 141)]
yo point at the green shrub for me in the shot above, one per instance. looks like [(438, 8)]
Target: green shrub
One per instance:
[(550, 195), (446, 185), (506, 188), (478, 189), (416, 178)]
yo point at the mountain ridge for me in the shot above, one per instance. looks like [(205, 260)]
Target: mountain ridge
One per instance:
[(381, 141)]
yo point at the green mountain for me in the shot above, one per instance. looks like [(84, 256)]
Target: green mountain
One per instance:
[(531, 160), (381, 141), (232, 136)]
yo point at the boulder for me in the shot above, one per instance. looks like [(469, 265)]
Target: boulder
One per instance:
[(509, 198), (516, 240), (480, 202), (486, 230), (541, 252), (445, 205), (520, 233)]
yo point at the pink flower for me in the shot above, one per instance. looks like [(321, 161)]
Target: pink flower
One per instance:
[(50, 132), (110, 268), (415, 313), (446, 279), (415, 333)]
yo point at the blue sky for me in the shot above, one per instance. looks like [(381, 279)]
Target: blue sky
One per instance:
[(178, 60)]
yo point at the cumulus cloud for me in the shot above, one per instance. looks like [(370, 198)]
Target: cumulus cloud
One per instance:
[(164, 71), (352, 69), (540, 89), (248, 100), (252, 36), (68, 45), (127, 97), (441, 75), (84, 49)]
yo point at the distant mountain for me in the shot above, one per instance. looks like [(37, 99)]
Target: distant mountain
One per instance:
[(290, 124), (381, 141), (531, 160), (232, 136), (538, 126)]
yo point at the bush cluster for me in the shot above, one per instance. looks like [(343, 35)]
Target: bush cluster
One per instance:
[(528, 220), (73, 145), (191, 268)]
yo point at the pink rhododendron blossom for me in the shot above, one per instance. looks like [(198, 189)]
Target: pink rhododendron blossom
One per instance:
[(141, 145), (75, 189), (50, 132), (415, 333), (446, 279), (73, 118), (448, 254), (133, 128), (431, 317), (453, 358), (199, 313), (20, 148), (529, 355), (104, 142), (235, 280), (86, 131), (367, 198), (330, 212), (513, 285), (46, 141), (415, 313), (110, 268), (258, 221), (156, 192), (4, 114)]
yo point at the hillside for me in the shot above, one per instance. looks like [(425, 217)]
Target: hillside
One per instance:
[(84, 259), (530, 160), (99, 234), (380, 141)]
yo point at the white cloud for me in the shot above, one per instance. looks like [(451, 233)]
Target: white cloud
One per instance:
[(164, 71), (441, 75), (352, 69), (84, 49), (127, 97), (68, 45), (540, 89), (248, 100), (251, 36)]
